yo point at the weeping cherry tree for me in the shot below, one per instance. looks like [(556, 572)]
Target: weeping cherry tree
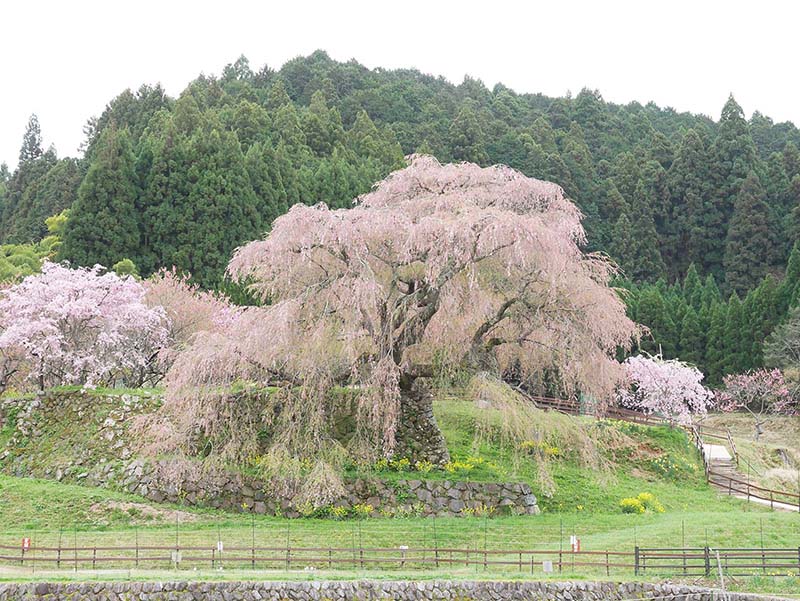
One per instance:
[(439, 267)]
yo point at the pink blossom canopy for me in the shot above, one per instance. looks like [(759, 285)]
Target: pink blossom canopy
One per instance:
[(670, 388), (440, 266), (441, 260), (80, 326)]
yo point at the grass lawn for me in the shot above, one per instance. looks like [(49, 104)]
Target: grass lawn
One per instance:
[(42, 509), (578, 468)]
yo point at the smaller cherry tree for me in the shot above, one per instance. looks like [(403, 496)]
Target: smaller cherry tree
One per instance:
[(80, 326), (189, 310), (758, 392), (670, 388)]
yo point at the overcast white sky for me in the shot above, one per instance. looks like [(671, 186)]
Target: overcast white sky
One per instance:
[(66, 60)]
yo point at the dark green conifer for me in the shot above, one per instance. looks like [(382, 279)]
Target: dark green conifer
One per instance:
[(467, 135), (735, 158), (748, 246), (734, 359), (104, 225), (692, 345)]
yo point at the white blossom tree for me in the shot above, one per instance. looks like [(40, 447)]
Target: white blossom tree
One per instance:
[(79, 326), (670, 388)]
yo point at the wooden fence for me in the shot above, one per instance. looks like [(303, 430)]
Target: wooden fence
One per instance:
[(641, 561), (574, 407), (707, 561), (735, 486)]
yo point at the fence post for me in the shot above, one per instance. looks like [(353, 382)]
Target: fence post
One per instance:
[(213, 557), (636, 560), (608, 570), (435, 543), (707, 553)]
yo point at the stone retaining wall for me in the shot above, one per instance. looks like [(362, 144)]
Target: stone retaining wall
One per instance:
[(434, 590), (106, 458), (234, 492)]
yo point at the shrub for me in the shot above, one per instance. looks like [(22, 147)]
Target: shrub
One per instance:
[(393, 465), (631, 505), (362, 510), (481, 510), (424, 466), (644, 501), (650, 503)]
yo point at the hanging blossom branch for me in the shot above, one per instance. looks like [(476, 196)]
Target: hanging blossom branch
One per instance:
[(670, 388), (439, 266)]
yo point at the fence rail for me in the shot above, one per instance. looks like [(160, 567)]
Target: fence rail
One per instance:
[(574, 407), (743, 487), (705, 561), (700, 561)]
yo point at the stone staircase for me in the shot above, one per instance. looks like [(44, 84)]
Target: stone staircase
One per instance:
[(723, 471)]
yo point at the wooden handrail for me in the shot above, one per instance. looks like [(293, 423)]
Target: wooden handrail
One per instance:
[(751, 487)]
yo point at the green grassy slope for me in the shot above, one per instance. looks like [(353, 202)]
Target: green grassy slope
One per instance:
[(578, 467), (587, 466)]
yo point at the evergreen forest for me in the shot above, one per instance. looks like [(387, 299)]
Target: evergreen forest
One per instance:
[(700, 213)]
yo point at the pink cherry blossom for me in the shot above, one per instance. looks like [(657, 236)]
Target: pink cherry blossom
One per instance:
[(758, 392), (669, 388), (439, 267), (80, 326)]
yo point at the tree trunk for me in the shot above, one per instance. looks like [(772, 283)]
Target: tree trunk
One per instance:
[(418, 435)]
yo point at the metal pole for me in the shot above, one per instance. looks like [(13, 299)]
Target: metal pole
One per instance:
[(485, 545)]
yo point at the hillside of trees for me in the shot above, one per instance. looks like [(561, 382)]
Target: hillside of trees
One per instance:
[(700, 214)]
